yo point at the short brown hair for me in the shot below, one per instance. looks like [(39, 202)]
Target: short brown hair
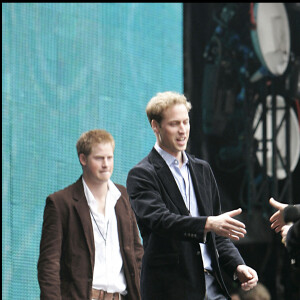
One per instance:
[(161, 101), (88, 139)]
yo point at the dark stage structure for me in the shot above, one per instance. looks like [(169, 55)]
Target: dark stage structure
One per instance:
[(242, 76)]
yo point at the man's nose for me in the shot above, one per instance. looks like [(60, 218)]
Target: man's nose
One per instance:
[(104, 162), (182, 127)]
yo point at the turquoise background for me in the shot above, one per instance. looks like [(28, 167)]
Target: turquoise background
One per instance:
[(68, 68)]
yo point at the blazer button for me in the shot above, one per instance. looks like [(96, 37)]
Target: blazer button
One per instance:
[(198, 253)]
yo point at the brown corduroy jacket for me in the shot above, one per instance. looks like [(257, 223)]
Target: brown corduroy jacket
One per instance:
[(67, 250)]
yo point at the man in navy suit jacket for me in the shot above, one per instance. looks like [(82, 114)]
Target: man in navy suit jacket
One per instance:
[(176, 201)]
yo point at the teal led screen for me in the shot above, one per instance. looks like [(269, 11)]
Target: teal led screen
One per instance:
[(68, 68)]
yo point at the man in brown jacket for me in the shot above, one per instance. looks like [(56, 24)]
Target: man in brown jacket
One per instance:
[(90, 246)]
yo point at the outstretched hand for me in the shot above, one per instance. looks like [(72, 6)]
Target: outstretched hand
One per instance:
[(277, 218), (225, 225), (247, 276)]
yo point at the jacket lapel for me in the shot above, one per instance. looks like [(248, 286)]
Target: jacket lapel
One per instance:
[(168, 181), (83, 212), (123, 224), (196, 171)]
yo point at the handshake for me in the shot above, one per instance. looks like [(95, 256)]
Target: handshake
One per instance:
[(286, 217)]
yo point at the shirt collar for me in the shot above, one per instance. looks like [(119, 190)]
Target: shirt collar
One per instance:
[(113, 193), (170, 159)]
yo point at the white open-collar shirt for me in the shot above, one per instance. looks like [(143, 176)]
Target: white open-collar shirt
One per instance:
[(108, 269)]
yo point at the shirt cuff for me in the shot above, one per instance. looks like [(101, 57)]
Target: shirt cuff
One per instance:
[(235, 277)]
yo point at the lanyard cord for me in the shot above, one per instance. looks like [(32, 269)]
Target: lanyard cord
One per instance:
[(104, 238), (187, 193), (187, 196), (188, 171)]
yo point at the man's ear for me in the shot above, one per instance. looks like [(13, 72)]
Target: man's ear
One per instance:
[(82, 159), (155, 125)]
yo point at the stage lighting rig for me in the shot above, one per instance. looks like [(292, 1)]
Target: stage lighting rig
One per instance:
[(280, 138), (245, 59)]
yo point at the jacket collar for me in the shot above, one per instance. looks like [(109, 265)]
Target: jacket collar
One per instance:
[(168, 158), (166, 177), (200, 187), (83, 212)]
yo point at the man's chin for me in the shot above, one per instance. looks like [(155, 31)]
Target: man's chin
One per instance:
[(104, 177), (181, 148)]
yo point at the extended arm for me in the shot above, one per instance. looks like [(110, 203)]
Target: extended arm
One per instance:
[(154, 212), (225, 225)]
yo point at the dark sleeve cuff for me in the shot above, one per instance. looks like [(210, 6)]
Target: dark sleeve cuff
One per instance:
[(291, 213)]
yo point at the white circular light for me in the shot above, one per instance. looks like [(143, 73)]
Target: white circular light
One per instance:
[(271, 37), (281, 137)]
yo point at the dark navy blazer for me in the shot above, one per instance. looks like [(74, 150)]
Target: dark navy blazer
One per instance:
[(172, 265)]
